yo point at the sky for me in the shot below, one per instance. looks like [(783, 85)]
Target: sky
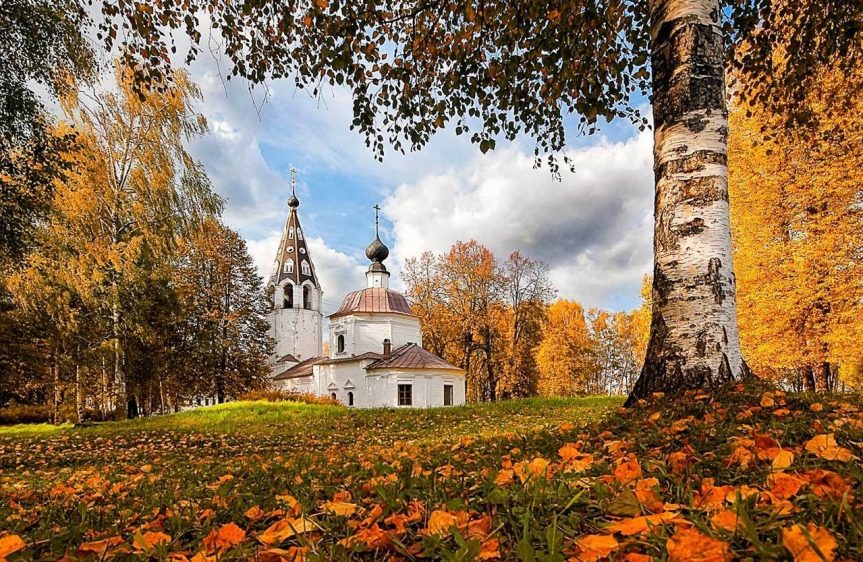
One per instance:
[(593, 227)]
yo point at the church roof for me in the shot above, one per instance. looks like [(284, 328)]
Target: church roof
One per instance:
[(286, 359), (374, 299), (293, 249), (301, 369), (362, 356), (412, 356)]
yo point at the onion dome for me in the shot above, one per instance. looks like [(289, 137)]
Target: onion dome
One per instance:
[(377, 251), (293, 202)]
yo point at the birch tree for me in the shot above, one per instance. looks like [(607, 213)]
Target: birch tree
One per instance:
[(134, 189), (494, 68)]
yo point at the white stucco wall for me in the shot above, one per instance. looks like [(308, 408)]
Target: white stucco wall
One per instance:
[(379, 388), (297, 330), (367, 332)]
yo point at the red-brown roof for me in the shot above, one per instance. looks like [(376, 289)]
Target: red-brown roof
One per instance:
[(412, 356), (374, 299), (366, 355), (302, 369), (287, 359)]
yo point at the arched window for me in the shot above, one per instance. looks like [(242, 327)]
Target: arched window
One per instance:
[(307, 297), (291, 233), (333, 396), (288, 301), (289, 265), (340, 343), (300, 233), (350, 398), (306, 269)]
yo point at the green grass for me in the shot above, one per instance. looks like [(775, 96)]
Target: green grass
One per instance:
[(32, 429), (191, 474)]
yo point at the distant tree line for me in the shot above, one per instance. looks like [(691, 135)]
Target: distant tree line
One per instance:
[(132, 297), (500, 321)]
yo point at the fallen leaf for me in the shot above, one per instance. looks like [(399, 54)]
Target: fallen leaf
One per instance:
[(627, 471), (726, 519), (783, 460), (440, 523), (812, 544), (640, 524), (10, 544), (344, 509), (689, 544), (825, 446), (281, 530), (594, 547)]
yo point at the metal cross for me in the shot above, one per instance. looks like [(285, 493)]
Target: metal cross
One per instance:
[(377, 209), (293, 181)]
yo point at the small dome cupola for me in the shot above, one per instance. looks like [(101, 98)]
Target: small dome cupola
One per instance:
[(377, 274), (377, 251), (293, 202)]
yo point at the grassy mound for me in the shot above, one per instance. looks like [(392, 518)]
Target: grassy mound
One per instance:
[(750, 473)]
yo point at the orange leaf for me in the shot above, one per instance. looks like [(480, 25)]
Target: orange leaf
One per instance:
[(344, 509), (640, 524), (224, 538), (725, 519), (812, 544), (628, 471), (490, 550), (825, 446), (595, 547), (689, 544), (783, 460), (10, 544), (284, 529), (150, 540), (440, 523), (784, 486)]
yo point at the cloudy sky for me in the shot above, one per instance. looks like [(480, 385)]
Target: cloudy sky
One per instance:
[(593, 227)]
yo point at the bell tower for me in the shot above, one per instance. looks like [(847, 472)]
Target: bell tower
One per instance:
[(296, 317)]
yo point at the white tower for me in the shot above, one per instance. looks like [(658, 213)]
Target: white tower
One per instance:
[(296, 318)]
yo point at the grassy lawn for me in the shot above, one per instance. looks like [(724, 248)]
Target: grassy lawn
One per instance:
[(751, 474)]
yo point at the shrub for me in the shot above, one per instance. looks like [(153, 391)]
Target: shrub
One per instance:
[(286, 396), (25, 413)]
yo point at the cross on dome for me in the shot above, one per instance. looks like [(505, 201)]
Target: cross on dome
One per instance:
[(377, 251)]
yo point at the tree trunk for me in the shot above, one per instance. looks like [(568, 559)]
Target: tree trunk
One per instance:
[(807, 374), (119, 379), (55, 382), (824, 378), (79, 393), (694, 341)]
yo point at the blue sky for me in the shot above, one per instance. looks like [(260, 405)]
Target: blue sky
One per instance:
[(594, 227)]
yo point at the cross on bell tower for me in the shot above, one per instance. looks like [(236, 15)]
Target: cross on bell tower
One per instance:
[(377, 274)]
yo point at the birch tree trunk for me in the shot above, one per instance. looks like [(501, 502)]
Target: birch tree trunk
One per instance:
[(694, 340)]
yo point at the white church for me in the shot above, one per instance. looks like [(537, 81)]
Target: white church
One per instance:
[(375, 359)]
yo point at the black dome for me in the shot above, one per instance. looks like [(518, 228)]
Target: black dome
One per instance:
[(377, 251), (293, 202)]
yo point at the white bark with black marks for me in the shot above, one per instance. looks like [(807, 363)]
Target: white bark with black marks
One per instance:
[(694, 339)]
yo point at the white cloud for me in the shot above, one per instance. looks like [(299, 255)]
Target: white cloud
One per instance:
[(594, 227)]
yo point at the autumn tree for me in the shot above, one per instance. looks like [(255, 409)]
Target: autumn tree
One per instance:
[(132, 191), (223, 330), (566, 355), (527, 290), (799, 232), (481, 314), (45, 45)]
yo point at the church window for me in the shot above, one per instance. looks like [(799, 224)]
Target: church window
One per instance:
[(307, 297), (306, 269), (333, 396), (340, 343), (405, 394), (350, 398), (289, 266), (291, 233), (288, 301), (300, 233), (302, 250), (447, 395), (290, 249)]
